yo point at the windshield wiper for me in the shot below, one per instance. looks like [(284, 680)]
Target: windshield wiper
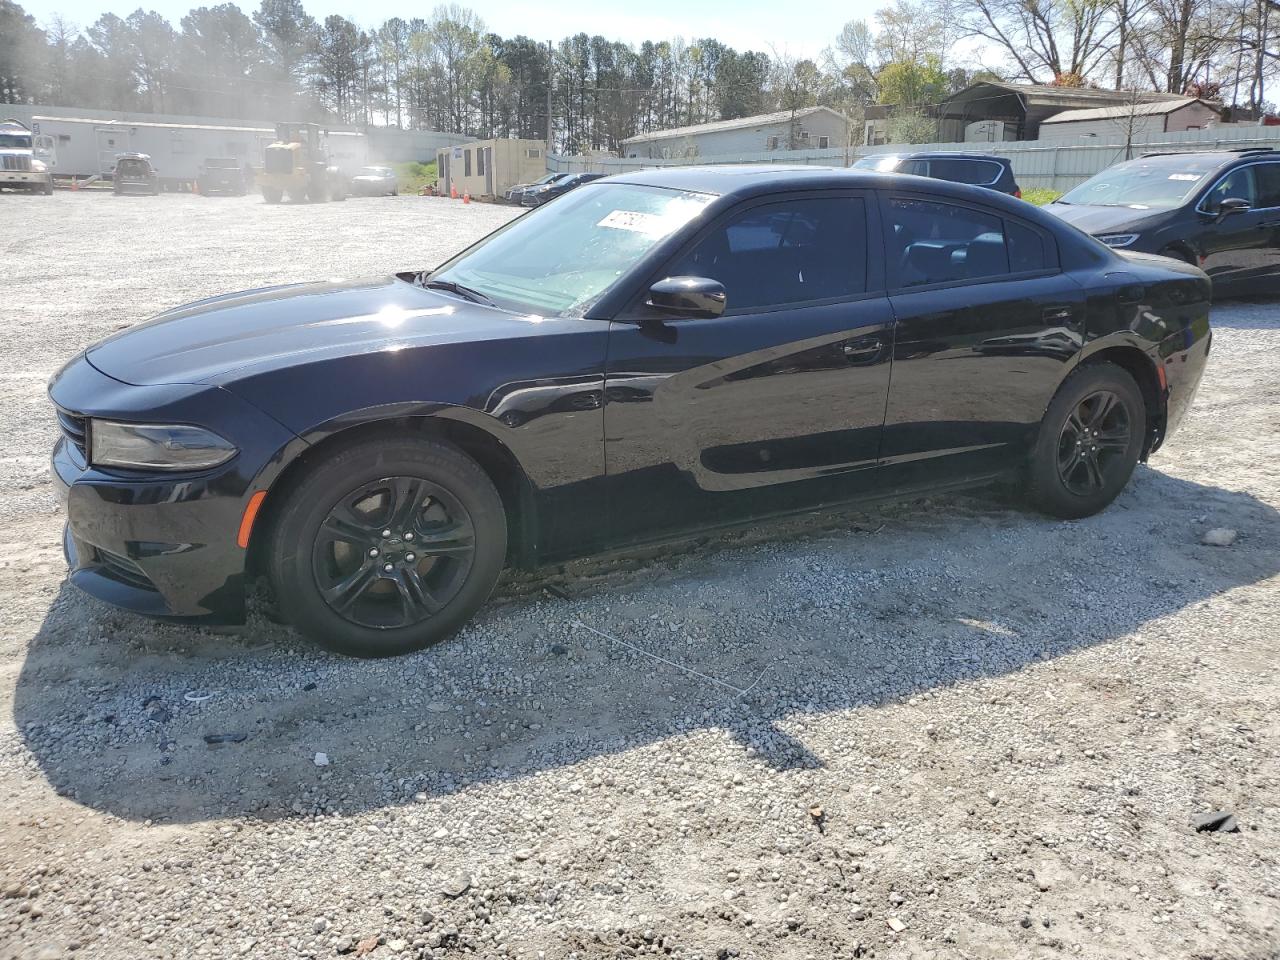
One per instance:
[(475, 296)]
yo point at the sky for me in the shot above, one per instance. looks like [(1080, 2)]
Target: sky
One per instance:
[(763, 25)]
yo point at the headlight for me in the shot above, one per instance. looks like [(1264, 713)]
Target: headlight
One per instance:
[(154, 446), (1118, 239), (38, 166)]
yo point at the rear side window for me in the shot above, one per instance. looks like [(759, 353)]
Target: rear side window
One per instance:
[(1026, 248), (979, 172), (935, 242), (1267, 177), (777, 254)]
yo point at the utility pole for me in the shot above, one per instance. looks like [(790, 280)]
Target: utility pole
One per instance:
[(551, 63)]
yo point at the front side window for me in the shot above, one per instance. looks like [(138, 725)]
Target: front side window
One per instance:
[(941, 242), (561, 258), (787, 253), (1236, 185)]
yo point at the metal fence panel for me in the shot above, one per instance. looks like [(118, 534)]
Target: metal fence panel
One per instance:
[(1037, 164)]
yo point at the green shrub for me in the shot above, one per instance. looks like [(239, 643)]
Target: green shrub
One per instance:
[(1040, 196)]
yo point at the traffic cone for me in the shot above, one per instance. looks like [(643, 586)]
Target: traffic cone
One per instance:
[(466, 197), (453, 191), (75, 183)]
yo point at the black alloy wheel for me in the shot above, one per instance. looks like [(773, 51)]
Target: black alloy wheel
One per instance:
[(1093, 443), (385, 545), (1090, 440), (393, 553)]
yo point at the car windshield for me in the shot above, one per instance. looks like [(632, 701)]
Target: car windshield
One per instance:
[(1151, 183), (560, 259), (15, 141)]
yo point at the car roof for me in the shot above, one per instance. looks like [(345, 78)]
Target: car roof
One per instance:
[(947, 155), (1224, 156), (749, 180)]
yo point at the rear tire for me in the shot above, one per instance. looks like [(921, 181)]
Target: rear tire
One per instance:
[(1090, 440), (272, 194), (447, 546)]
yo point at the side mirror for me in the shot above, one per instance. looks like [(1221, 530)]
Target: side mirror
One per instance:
[(688, 296), (1232, 205)]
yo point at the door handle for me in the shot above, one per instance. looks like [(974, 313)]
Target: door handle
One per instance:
[(1060, 315), (863, 350), (1269, 224)]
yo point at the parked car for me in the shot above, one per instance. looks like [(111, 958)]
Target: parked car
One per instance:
[(1219, 210), (133, 173), (978, 169), (223, 175), (516, 193), (375, 182), (536, 196), (663, 352)]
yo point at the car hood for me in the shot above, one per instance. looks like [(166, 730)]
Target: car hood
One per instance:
[(1096, 220), (222, 338)]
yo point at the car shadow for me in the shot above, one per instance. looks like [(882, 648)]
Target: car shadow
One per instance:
[(750, 637)]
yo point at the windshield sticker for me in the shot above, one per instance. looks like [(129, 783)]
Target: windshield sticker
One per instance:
[(1184, 176), (636, 221)]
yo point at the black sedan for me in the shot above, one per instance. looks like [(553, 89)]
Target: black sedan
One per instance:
[(537, 196), (657, 353), (1219, 210)]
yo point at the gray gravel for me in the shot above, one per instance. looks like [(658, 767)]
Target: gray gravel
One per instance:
[(965, 731)]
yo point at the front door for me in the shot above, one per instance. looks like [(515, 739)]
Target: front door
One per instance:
[(1241, 251), (778, 403), (110, 143), (985, 326)]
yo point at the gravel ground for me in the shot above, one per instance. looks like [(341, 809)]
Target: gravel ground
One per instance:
[(948, 728)]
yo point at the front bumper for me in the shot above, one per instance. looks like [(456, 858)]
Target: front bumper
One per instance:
[(161, 545), (24, 178)]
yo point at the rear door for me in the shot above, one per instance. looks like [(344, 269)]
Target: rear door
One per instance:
[(986, 323), (1242, 251), (777, 404)]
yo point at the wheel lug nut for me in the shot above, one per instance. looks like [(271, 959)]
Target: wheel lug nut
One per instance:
[(386, 533), (410, 557), (408, 536), (373, 552), (388, 567)]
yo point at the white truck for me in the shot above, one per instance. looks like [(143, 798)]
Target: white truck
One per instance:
[(19, 168)]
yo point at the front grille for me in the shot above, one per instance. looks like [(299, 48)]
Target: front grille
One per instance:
[(17, 163), (122, 569), (76, 429)]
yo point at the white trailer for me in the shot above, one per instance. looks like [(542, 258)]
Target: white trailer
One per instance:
[(84, 147)]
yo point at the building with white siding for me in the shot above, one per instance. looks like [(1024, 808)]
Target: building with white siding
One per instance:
[(813, 128)]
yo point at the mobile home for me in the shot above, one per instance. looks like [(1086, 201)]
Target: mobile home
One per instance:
[(83, 147)]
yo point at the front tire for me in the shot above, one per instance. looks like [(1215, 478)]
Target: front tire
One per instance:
[(272, 194), (388, 546), (1090, 441)]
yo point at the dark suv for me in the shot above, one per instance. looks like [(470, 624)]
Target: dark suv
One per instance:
[(1219, 210), (223, 175), (978, 169), (537, 196), (134, 173)]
